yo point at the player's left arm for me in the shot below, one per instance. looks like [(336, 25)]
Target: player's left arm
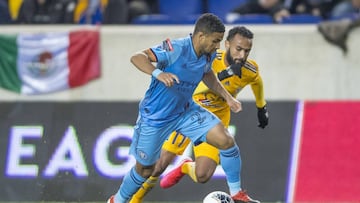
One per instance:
[(214, 84), (258, 90)]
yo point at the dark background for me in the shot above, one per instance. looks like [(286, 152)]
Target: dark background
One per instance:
[(265, 152)]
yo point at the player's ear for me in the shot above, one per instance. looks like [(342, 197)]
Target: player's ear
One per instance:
[(201, 35), (227, 44)]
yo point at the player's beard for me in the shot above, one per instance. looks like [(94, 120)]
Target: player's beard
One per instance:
[(231, 60)]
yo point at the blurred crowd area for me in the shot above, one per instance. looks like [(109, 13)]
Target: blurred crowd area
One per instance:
[(174, 11)]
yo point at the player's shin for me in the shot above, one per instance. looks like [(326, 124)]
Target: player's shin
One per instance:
[(231, 164), (131, 183), (144, 189)]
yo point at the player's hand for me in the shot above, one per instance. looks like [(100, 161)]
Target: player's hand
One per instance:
[(263, 117), (235, 105), (236, 68), (168, 79)]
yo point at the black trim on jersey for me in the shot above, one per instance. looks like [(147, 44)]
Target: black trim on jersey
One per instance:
[(157, 60), (250, 67)]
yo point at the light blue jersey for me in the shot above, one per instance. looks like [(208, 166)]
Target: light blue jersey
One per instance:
[(162, 104), (167, 109)]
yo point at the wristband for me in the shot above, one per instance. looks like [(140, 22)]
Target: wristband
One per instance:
[(156, 73)]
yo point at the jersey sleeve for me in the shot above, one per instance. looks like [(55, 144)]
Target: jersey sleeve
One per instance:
[(257, 86), (166, 53)]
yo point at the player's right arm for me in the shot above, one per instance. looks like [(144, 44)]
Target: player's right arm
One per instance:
[(143, 61)]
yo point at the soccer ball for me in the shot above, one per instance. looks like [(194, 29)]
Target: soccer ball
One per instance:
[(218, 197)]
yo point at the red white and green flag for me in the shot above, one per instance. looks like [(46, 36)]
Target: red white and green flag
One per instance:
[(39, 63)]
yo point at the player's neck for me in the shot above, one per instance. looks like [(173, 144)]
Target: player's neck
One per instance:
[(196, 45), (225, 60)]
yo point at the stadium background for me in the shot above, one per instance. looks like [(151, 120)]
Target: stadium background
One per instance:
[(309, 150)]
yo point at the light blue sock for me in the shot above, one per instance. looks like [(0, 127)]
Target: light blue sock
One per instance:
[(231, 163), (131, 183)]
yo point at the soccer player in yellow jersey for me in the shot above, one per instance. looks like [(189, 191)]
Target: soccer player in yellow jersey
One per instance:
[(235, 71)]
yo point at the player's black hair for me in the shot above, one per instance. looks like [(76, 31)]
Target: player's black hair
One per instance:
[(241, 30), (209, 23)]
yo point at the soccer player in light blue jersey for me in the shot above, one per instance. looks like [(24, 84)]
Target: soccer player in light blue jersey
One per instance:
[(168, 106)]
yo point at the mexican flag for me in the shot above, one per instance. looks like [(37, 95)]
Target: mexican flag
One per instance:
[(38, 63)]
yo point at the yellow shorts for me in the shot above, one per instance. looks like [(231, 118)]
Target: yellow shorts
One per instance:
[(177, 144), (216, 106)]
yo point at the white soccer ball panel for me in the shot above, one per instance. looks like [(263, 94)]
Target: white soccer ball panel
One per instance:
[(218, 197)]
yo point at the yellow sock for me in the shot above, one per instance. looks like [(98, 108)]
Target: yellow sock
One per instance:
[(189, 169), (144, 189)]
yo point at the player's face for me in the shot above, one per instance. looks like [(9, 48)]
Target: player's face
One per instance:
[(211, 42), (238, 49)]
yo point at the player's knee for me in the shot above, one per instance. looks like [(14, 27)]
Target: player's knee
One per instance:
[(146, 174), (202, 176), (220, 138), (144, 171), (227, 143)]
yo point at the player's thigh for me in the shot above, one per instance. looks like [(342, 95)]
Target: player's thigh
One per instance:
[(219, 137), (206, 150), (196, 123), (224, 116), (176, 143), (147, 142)]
